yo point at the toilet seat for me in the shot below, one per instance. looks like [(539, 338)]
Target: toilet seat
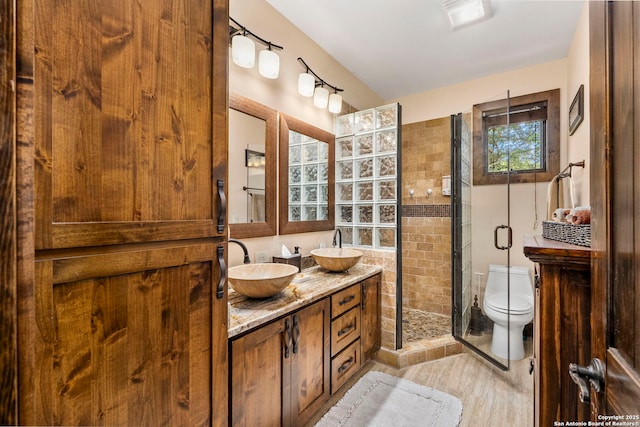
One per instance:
[(498, 302)]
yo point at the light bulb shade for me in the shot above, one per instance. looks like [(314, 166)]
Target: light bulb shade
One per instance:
[(243, 51), (321, 97), (335, 103), (269, 64), (306, 84)]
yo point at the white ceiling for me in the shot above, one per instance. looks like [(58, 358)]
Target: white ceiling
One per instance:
[(403, 47)]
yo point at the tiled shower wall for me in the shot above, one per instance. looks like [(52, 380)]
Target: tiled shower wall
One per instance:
[(426, 220), (387, 260), (426, 228)]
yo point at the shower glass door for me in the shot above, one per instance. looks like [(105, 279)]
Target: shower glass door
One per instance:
[(481, 235)]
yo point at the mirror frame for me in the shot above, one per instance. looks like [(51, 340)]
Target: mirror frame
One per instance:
[(288, 123), (270, 116)]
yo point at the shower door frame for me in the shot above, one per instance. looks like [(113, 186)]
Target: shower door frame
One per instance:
[(457, 253)]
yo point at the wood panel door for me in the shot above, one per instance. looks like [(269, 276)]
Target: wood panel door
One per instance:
[(121, 157), (615, 198), (130, 121), (120, 338)]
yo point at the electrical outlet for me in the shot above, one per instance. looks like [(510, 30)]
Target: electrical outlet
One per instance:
[(262, 256)]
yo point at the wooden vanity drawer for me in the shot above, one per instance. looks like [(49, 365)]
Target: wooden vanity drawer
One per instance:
[(344, 330), (344, 365), (345, 300)]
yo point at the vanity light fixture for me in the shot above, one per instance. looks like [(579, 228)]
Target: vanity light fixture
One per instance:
[(306, 84), (243, 51), (310, 84), (321, 97), (335, 103), (269, 63)]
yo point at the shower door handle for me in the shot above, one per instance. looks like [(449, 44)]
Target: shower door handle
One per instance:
[(509, 237)]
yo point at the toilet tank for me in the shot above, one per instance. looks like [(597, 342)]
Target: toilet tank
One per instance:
[(520, 281)]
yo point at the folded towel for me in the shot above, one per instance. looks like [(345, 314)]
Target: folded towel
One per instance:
[(559, 195), (572, 196), (560, 214), (579, 215), (555, 197)]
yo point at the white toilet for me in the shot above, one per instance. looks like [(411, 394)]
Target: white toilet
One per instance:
[(507, 340)]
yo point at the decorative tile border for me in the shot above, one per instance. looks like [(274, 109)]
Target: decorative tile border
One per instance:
[(426, 211)]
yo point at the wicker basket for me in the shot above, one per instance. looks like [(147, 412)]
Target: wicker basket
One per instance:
[(569, 233)]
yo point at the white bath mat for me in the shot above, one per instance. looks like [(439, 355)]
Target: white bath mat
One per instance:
[(378, 399)]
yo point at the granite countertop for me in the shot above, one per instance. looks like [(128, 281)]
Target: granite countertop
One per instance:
[(308, 286)]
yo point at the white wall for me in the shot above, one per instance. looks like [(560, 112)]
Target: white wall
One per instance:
[(578, 73), (282, 94)]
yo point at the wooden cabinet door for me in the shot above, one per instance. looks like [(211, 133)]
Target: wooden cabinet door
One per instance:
[(371, 331), (130, 121), (615, 196), (280, 372), (257, 365), (310, 362), (120, 338), (122, 313)]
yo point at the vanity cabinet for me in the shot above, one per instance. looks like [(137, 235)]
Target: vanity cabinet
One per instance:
[(562, 328), (280, 371), (355, 329), (371, 326), (284, 367), (345, 335)]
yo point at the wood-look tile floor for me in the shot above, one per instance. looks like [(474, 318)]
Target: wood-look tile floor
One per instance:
[(490, 397)]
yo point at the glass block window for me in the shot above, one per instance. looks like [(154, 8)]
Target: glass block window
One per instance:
[(308, 178), (367, 177)]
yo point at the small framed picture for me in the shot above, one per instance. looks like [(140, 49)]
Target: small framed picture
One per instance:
[(576, 110)]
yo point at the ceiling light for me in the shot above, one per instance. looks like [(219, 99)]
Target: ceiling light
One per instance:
[(465, 12)]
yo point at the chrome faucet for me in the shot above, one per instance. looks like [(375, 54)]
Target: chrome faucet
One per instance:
[(244, 249), (337, 233)]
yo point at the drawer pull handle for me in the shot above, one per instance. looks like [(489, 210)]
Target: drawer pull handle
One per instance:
[(346, 365), (288, 339), (223, 206), (223, 272), (350, 327), (296, 333), (347, 300)]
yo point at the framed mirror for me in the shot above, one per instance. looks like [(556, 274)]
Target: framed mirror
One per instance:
[(252, 168), (306, 177)]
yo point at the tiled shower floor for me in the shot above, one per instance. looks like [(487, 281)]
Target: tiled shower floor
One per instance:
[(419, 325)]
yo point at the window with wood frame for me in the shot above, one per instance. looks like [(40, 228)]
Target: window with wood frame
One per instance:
[(520, 135)]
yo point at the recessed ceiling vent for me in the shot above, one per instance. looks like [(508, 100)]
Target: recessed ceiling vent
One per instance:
[(466, 12)]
